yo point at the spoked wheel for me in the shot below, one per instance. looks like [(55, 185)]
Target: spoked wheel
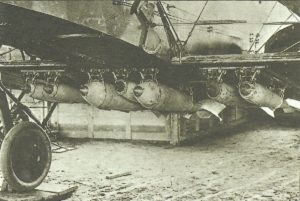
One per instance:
[(25, 156)]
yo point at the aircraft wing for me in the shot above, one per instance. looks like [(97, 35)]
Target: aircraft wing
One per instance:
[(74, 45), (52, 38)]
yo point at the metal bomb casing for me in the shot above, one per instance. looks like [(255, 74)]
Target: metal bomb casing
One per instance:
[(59, 92), (125, 89), (224, 93), (154, 96), (259, 95), (104, 96)]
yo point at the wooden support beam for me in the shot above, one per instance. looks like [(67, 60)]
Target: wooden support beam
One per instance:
[(49, 114), (31, 65), (174, 128), (210, 22), (46, 192), (5, 113), (238, 60)]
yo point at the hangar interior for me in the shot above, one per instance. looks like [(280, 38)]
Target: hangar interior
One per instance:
[(222, 97), (84, 121)]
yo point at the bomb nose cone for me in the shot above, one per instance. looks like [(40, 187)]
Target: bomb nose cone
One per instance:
[(213, 89), (48, 89), (138, 91), (120, 86), (84, 90), (246, 88)]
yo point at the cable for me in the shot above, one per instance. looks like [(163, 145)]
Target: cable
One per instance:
[(9, 51), (274, 32), (179, 18), (182, 10), (263, 25), (173, 17), (295, 16), (289, 47), (190, 33), (216, 31)]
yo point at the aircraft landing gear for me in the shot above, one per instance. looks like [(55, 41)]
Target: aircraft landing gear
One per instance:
[(25, 156)]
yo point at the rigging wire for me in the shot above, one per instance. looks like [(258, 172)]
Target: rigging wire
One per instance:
[(173, 17), (292, 14), (217, 31), (179, 18), (289, 47), (263, 25), (188, 21), (192, 30), (295, 16), (180, 9), (9, 51)]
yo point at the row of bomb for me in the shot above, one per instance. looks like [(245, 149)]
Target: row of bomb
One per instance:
[(151, 95)]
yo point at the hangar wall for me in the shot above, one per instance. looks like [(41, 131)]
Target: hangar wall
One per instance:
[(84, 121)]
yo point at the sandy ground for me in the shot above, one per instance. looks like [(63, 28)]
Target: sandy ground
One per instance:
[(258, 162)]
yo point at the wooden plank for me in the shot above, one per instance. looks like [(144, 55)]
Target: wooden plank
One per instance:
[(175, 128), (32, 65), (118, 175), (45, 192), (281, 23), (148, 128), (209, 22), (237, 60), (128, 127), (157, 137)]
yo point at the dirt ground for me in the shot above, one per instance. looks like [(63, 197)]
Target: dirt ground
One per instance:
[(257, 162)]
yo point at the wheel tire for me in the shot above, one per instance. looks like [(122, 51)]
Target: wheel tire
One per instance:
[(25, 156)]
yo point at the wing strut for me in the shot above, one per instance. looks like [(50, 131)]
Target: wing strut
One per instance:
[(173, 38), (26, 110)]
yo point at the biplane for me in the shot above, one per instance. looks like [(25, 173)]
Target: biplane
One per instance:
[(72, 63)]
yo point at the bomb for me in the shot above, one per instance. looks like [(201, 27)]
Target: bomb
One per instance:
[(61, 93), (104, 96), (261, 96), (125, 89), (225, 93), (155, 96)]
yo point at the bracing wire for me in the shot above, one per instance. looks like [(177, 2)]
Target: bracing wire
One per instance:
[(182, 10), (188, 21), (291, 46), (263, 25), (195, 23), (292, 14), (9, 51)]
